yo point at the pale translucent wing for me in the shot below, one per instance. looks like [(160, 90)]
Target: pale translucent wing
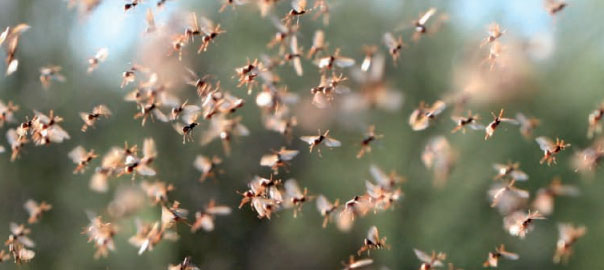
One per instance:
[(373, 234), (422, 256), (149, 149), (319, 39), (145, 170), (510, 121), (344, 62), (268, 160), (288, 154), (438, 107), (427, 16), (77, 154), (292, 188), (360, 263), (323, 205), (509, 255), (389, 40), (545, 143), (379, 175), (519, 175), (309, 139), (332, 142), (202, 163)]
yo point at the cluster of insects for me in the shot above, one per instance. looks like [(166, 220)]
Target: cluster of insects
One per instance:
[(215, 113)]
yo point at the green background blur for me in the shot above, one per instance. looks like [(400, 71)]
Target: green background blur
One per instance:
[(560, 88)]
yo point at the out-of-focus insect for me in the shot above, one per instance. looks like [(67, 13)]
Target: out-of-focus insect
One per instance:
[(493, 259), (4, 256), (151, 109), (295, 197), (131, 4), (375, 92), (519, 224), (11, 37), (149, 235), (161, 3), (7, 112), (232, 4), (129, 75), (35, 210), (550, 149), (323, 94), (494, 56), (248, 73), (210, 32), (135, 165), (225, 129), (294, 56), (18, 242), (421, 117), (326, 208), (322, 9), (49, 74), (202, 84), (509, 170), (278, 159), (150, 20), (284, 32), (205, 220), (355, 207), (568, 236), (554, 6), (315, 141), (170, 215), (157, 191), (81, 158), (494, 32), (356, 264), (385, 181), (497, 120), (527, 125), (16, 143), (207, 166), (369, 137), (372, 241), (394, 45), (462, 122), (498, 193), (328, 62), (101, 235), (439, 156), (381, 197), (298, 9), (186, 264), (369, 51), (90, 118), (100, 56), (544, 200), (259, 187), (318, 44), (595, 127), (586, 160), (430, 261), (46, 129), (420, 25)]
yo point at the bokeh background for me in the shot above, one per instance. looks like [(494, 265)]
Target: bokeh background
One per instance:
[(554, 73)]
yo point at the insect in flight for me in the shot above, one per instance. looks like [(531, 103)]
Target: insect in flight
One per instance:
[(466, 121), (500, 252), (550, 149), (315, 141), (207, 166), (369, 137), (494, 33), (278, 159), (372, 241), (421, 117), (568, 235), (519, 224), (394, 45), (49, 74), (430, 261), (90, 118), (81, 158), (497, 120), (326, 208), (100, 56), (35, 210)]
